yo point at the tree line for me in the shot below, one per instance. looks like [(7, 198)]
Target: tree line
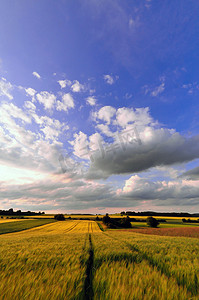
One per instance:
[(11, 212)]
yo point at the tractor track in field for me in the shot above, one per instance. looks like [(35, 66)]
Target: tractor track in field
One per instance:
[(162, 268), (91, 226), (71, 228), (88, 284)]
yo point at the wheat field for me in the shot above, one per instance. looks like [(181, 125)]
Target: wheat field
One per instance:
[(74, 259)]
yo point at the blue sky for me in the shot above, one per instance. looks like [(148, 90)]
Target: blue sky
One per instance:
[(99, 105)]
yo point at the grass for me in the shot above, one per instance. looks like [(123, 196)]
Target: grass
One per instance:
[(14, 226), (100, 226)]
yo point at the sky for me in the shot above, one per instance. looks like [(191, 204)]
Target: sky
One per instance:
[(99, 105)]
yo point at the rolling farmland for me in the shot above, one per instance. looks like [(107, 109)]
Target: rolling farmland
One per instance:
[(74, 259), (19, 225)]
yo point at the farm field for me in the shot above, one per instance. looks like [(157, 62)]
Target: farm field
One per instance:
[(47, 262), (189, 231), (74, 259), (131, 266), (10, 220), (165, 225), (19, 225)]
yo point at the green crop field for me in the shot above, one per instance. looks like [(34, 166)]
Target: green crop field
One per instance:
[(74, 259), (14, 226)]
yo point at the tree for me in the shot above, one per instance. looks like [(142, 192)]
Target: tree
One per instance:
[(152, 222), (106, 219), (59, 217), (10, 212), (126, 222)]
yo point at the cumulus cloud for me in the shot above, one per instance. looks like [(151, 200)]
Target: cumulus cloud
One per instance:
[(47, 99), (91, 100), (138, 116), (5, 88), (157, 147), (50, 127), (36, 75), (64, 83), (30, 92), (77, 87), (66, 103), (84, 146), (183, 192), (138, 144), (105, 130), (80, 144), (23, 148), (105, 114)]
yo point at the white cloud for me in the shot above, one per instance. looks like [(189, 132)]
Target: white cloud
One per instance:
[(110, 79), (5, 88), (13, 111), (105, 113), (66, 103), (105, 129), (139, 144), (183, 192), (95, 141), (158, 90), (64, 83), (26, 149), (138, 116), (47, 99), (50, 133), (30, 106), (30, 92), (50, 127), (91, 100), (36, 75), (80, 144), (77, 87)]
